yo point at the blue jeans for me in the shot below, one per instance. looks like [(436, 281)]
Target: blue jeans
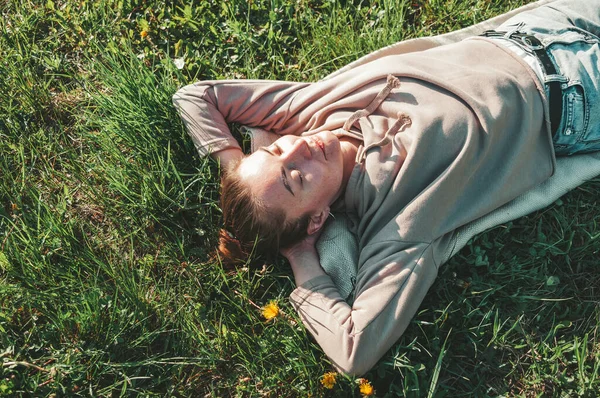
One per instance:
[(570, 30)]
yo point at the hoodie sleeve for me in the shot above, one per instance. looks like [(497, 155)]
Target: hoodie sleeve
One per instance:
[(207, 107), (391, 284)]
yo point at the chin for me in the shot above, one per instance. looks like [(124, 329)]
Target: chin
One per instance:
[(332, 146)]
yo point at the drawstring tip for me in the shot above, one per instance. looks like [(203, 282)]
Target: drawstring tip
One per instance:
[(404, 119), (393, 81)]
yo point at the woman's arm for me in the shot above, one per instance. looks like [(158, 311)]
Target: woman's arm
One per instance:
[(305, 266), (391, 285), (227, 156), (207, 107), (304, 259)]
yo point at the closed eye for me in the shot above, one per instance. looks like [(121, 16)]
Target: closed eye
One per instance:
[(285, 181), (276, 151)]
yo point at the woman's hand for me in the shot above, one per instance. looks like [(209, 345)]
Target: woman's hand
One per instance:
[(304, 259), (305, 245)]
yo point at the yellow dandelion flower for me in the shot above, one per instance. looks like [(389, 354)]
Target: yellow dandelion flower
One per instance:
[(365, 388), (270, 310), (328, 380), (144, 33)]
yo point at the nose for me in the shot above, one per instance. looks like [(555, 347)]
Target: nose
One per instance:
[(299, 150)]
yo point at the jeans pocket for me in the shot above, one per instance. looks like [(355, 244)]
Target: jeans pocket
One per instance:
[(575, 115), (571, 134)]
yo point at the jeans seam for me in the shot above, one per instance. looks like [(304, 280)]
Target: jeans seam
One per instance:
[(586, 117)]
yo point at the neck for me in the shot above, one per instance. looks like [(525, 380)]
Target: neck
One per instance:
[(349, 147)]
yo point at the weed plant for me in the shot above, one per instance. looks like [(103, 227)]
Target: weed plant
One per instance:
[(108, 219)]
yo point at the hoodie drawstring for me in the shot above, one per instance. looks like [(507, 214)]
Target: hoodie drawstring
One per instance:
[(403, 121), (392, 82)]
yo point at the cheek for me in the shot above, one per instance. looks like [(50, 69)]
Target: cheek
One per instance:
[(319, 175), (328, 178)]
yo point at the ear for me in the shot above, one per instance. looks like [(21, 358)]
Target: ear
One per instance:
[(317, 221)]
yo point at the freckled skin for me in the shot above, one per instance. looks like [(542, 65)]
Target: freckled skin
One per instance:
[(313, 168)]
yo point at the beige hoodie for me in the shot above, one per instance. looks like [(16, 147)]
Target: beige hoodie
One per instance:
[(463, 134)]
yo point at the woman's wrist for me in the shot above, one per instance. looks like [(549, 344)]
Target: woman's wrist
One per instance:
[(305, 265)]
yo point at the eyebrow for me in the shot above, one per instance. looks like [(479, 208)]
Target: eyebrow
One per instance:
[(267, 150), (283, 174)]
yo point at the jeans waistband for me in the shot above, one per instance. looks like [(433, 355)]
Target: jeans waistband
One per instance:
[(534, 45)]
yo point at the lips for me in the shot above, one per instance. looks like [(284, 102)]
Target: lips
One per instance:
[(321, 146)]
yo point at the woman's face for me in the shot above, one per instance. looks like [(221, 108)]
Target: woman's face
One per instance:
[(301, 175)]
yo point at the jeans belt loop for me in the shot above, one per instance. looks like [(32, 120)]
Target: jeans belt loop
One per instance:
[(528, 43)]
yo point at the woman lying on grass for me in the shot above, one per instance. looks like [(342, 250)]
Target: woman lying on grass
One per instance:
[(411, 147)]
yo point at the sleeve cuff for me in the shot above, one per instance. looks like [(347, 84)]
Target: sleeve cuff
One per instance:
[(215, 146)]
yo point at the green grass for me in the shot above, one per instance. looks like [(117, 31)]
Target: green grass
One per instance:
[(108, 219)]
